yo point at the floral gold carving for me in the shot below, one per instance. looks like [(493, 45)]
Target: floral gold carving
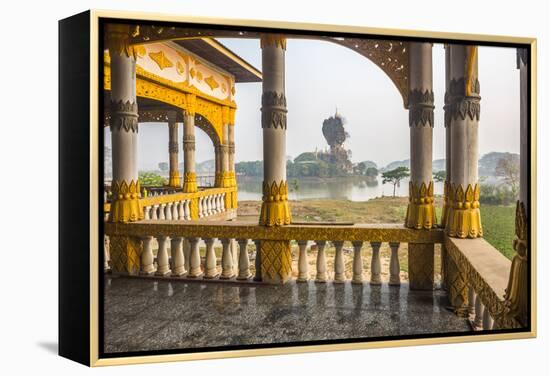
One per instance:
[(420, 210), (464, 219), (275, 208), (125, 205), (190, 182)]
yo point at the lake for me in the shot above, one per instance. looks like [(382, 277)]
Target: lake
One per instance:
[(344, 188)]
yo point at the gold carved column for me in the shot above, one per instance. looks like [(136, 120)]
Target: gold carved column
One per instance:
[(275, 255), (462, 112)]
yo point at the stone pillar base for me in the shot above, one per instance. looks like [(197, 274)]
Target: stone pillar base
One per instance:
[(190, 182), (125, 206), (420, 211), (421, 266), (125, 254), (174, 179), (276, 261), (275, 209), (464, 219)]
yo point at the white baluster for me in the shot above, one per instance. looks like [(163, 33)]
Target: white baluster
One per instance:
[(163, 267), (395, 279), (471, 301), (168, 211), (357, 262), (487, 320), (375, 278), (321, 261), (339, 270), (178, 261), (161, 212), (175, 211), (194, 259), (244, 262), (210, 270), (147, 258), (222, 199), (181, 210), (258, 261), (146, 210), (209, 205), (478, 319), (154, 212), (187, 210), (201, 209), (303, 264), (227, 260)]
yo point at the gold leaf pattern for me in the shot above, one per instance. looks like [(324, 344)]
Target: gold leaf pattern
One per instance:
[(161, 59), (420, 210), (211, 82), (276, 261)]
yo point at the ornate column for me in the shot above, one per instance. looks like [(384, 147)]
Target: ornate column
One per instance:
[(276, 256), (463, 109), (231, 157), (173, 148), (517, 292), (420, 211), (447, 124), (125, 204), (189, 175)]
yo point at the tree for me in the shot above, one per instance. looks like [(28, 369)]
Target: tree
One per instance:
[(361, 168), (372, 172), (163, 166), (440, 176), (508, 168), (395, 176)]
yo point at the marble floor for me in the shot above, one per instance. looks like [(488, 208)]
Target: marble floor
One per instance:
[(149, 314)]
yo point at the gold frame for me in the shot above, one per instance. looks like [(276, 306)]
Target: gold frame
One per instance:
[(94, 179)]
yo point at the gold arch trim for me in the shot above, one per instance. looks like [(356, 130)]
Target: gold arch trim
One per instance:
[(178, 94)]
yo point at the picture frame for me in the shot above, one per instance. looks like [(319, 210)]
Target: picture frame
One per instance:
[(503, 289)]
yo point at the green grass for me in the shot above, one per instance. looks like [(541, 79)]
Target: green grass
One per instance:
[(499, 227)]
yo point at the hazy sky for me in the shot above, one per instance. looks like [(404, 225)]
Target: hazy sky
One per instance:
[(321, 76)]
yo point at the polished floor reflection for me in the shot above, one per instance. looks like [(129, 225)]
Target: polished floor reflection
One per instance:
[(146, 314)]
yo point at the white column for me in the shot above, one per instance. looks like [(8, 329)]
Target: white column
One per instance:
[(275, 209), (464, 113), (420, 211), (125, 206), (173, 149)]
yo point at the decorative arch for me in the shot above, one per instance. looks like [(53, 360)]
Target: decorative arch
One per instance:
[(392, 56)]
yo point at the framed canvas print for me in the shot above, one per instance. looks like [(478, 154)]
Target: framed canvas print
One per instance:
[(236, 188)]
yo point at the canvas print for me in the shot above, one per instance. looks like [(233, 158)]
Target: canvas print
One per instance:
[(267, 188)]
